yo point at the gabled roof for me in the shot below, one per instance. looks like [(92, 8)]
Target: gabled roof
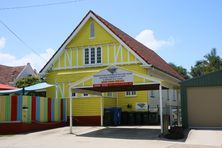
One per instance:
[(8, 74), (210, 79), (148, 55)]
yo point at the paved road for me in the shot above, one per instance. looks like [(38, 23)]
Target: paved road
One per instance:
[(94, 137)]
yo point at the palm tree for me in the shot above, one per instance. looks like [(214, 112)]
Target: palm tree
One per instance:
[(212, 62)]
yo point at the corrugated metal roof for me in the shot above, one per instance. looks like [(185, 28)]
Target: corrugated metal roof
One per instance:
[(211, 79)]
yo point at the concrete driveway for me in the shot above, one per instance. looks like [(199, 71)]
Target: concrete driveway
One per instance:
[(205, 137), (94, 137)]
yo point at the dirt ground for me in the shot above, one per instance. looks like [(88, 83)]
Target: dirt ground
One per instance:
[(96, 137)]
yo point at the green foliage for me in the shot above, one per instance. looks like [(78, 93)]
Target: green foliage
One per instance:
[(27, 81), (181, 70), (211, 62)]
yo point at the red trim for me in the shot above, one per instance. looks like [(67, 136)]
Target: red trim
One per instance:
[(113, 84), (14, 102), (86, 120), (33, 108), (17, 128), (61, 105), (49, 110)]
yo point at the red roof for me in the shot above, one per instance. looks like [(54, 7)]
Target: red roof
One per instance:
[(144, 52), (6, 87), (8, 74)]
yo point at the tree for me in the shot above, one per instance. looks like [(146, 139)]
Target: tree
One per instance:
[(211, 62), (181, 70), (27, 81)]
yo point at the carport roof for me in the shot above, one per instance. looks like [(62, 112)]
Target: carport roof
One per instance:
[(211, 79), (125, 88)]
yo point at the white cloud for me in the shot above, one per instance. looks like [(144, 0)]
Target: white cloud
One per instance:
[(147, 38), (2, 42), (35, 61)]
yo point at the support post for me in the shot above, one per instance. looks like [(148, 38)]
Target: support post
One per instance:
[(170, 103), (178, 105), (161, 108), (117, 99), (101, 110), (70, 110)]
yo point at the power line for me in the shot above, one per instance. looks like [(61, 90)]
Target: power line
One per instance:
[(40, 5), (20, 39)]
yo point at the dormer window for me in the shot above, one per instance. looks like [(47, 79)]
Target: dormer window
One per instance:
[(92, 30)]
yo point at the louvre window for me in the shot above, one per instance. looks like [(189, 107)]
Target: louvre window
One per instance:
[(92, 30)]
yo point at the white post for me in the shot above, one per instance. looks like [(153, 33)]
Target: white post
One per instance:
[(101, 110), (178, 105), (161, 108), (117, 99), (171, 103), (56, 87), (70, 110)]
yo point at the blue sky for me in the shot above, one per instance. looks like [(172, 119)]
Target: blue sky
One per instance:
[(181, 32)]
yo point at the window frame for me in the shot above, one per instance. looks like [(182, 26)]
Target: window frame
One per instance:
[(152, 94), (131, 94), (85, 96), (92, 25), (75, 95), (111, 96), (90, 55)]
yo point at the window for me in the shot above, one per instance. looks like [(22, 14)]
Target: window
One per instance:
[(86, 56), (168, 94), (110, 94), (131, 93), (92, 30), (93, 55), (152, 94), (174, 95), (74, 95), (99, 56), (85, 95)]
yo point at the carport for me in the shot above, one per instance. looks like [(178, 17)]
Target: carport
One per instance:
[(116, 79)]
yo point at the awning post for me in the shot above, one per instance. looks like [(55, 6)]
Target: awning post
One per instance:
[(161, 108), (101, 111), (70, 109)]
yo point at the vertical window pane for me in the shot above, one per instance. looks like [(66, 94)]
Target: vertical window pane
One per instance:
[(93, 56), (85, 95), (130, 93), (86, 56), (99, 56), (73, 94), (92, 30)]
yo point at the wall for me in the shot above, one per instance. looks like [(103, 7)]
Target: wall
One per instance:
[(32, 109)]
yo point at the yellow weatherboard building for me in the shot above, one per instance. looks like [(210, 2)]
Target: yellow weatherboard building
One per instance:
[(99, 66)]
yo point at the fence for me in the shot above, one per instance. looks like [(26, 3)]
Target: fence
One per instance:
[(32, 109)]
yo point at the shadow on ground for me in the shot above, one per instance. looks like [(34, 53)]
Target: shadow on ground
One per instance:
[(127, 133)]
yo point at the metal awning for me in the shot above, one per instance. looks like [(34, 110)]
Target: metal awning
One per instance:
[(38, 86), (35, 87)]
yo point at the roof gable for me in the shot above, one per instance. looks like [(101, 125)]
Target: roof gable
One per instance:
[(9, 74), (142, 53)]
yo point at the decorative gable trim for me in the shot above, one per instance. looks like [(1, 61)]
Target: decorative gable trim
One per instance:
[(89, 15)]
